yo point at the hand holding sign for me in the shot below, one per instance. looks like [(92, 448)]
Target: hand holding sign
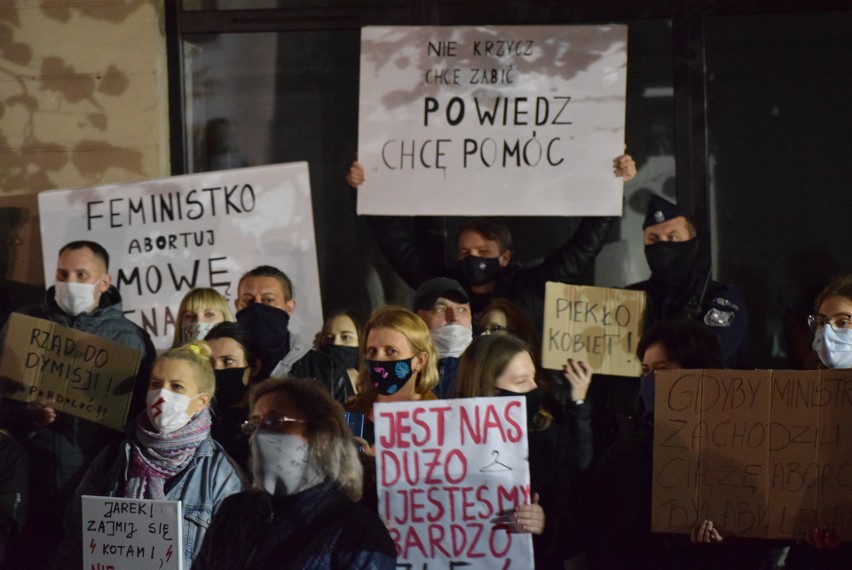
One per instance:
[(530, 518), (40, 414), (579, 375)]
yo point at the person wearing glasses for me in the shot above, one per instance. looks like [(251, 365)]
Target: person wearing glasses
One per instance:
[(832, 323), (169, 454), (303, 512), (444, 306)]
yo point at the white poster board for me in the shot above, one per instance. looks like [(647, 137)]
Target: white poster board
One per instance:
[(497, 120), (169, 235), (140, 534), (449, 474)]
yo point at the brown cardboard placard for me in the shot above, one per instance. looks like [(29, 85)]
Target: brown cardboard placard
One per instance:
[(764, 453), (595, 324), (87, 376)]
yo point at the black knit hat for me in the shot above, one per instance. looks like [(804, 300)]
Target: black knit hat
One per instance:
[(429, 291)]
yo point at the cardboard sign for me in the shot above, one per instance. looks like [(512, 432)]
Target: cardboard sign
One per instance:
[(170, 235), (764, 453), (88, 376), (496, 120), (449, 475), (598, 325), (133, 534)]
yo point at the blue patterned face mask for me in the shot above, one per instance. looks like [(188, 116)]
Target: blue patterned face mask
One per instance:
[(389, 376)]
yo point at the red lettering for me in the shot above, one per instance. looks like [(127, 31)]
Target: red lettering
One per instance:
[(415, 417), (459, 539), (492, 543), (471, 552), (492, 420), (431, 465), (462, 472), (516, 434), (386, 458), (401, 428), (436, 536), (440, 413), (415, 505), (439, 505), (385, 441), (482, 493), (412, 541), (473, 430)]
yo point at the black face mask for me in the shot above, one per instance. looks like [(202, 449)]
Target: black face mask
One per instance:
[(671, 262), (345, 355), (479, 270), (269, 326), (533, 397), (389, 376), (229, 386)]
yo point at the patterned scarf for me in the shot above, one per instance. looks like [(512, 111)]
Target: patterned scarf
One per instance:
[(155, 457)]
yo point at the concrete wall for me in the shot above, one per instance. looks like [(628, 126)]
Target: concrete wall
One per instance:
[(83, 101)]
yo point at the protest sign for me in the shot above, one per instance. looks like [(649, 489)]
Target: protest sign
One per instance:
[(87, 376), (449, 475), (763, 453), (170, 235), (598, 325), (140, 534), (496, 120)]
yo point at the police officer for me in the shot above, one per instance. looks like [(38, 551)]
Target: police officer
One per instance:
[(680, 285)]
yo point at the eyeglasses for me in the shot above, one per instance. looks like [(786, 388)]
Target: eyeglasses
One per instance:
[(837, 322), (493, 329), (280, 424)]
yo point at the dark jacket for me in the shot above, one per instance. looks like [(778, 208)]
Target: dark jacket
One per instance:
[(303, 362), (319, 528), (13, 493), (523, 286), (720, 307)]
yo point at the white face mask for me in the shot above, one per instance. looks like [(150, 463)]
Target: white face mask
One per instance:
[(196, 331), (167, 410), (834, 347), (75, 298), (281, 464), (451, 340)]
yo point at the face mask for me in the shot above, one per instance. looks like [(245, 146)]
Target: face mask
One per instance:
[(196, 331), (167, 410), (389, 376), (75, 298), (270, 327), (281, 463), (345, 355), (834, 347), (229, 386), (479, 270), (671, 261), (451, 340), (533, 398), (646, 392)]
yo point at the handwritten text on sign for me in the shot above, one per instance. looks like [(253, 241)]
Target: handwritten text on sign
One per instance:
[(87, 376), (449, 475), (598, 325), (764, 453), (503, 120), (170, 235), (132, 533)]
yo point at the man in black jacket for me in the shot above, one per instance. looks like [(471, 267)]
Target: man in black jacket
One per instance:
[(680, 285), (264, 304), (486, 267), (61, 446)]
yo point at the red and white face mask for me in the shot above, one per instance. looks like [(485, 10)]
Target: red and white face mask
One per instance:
[(167, 410)]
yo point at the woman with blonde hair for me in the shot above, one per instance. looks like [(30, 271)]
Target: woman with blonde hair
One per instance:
[(199, 311), (168, 455), (398, 362)]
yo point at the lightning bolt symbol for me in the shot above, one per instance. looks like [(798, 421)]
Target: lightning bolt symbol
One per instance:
[(156, 406), (92, 545), (169, 553)]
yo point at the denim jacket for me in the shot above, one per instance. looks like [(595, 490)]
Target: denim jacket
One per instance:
[(201, 487)]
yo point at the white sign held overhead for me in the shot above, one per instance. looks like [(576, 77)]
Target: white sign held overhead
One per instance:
[(170, 235), (498, 120)]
